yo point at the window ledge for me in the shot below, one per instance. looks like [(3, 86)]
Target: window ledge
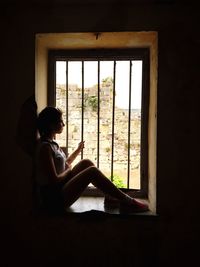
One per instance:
[(86, 204)]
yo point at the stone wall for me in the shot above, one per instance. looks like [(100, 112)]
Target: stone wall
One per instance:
[(105, 138)]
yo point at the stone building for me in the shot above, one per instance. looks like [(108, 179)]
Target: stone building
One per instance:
[(90, 118)]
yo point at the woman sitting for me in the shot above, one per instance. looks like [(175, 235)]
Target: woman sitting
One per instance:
[(59, 184)]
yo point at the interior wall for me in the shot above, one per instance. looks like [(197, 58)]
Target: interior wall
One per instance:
[(169, 238)]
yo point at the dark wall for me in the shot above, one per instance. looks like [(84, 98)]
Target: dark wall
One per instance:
[(165, 240)]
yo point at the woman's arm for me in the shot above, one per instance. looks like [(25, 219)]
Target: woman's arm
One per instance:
[(73, 156), (47, 161)]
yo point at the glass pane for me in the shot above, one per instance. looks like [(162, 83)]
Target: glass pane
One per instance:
[(61, 96), (74, 106), (121, 121), (90, 109), (90, 101), (135, 124), (106, 105)]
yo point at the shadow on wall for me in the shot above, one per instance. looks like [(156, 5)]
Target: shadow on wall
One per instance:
[(27, 135)]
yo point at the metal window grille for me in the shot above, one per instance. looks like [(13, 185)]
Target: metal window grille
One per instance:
[(96, 101)]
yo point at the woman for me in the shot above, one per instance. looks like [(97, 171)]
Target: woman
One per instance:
[(59, 184)]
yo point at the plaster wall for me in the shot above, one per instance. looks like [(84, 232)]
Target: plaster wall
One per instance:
[(168, 239)]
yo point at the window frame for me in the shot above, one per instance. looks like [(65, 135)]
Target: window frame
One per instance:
[(111, 54)]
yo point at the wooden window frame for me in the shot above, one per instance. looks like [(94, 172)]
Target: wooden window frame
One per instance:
[(111, 54)]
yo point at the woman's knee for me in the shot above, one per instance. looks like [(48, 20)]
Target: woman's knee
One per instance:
[(91, 171), (87, 163), (81, 166)]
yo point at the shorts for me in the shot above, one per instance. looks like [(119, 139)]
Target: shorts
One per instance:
[(51, 198)]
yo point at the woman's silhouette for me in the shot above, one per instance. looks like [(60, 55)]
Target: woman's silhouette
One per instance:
[(59, 184)]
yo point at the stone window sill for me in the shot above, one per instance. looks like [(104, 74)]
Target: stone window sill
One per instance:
[(92, 204)]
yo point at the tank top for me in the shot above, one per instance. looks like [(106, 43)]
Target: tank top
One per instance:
[(59, 158)]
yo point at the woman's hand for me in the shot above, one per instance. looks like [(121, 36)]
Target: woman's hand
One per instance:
[(68, 166), (72, 157), (81, 146)]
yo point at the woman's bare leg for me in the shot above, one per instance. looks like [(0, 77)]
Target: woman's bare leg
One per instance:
[(80, 166), (74, 188)]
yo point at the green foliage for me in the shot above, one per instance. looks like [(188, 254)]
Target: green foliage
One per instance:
[(108, 149), (108, 80), (75, 129), (118, 181), (131, 146), (91, 101)]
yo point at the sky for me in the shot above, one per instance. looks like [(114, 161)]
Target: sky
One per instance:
[(106, 70)]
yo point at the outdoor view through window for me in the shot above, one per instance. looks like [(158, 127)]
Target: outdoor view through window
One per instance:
[(101, 104)]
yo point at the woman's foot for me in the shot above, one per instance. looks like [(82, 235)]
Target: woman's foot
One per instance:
[(111, 202), (134, 206)]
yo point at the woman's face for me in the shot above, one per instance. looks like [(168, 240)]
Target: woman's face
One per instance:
[(58, 127)]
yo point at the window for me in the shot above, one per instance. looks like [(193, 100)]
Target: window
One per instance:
[(46, 43), (104, 95)]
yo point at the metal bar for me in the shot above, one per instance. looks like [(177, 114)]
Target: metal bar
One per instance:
[(113, 120), (82, 113), (98, 115), (129, 125), (67, 109)]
